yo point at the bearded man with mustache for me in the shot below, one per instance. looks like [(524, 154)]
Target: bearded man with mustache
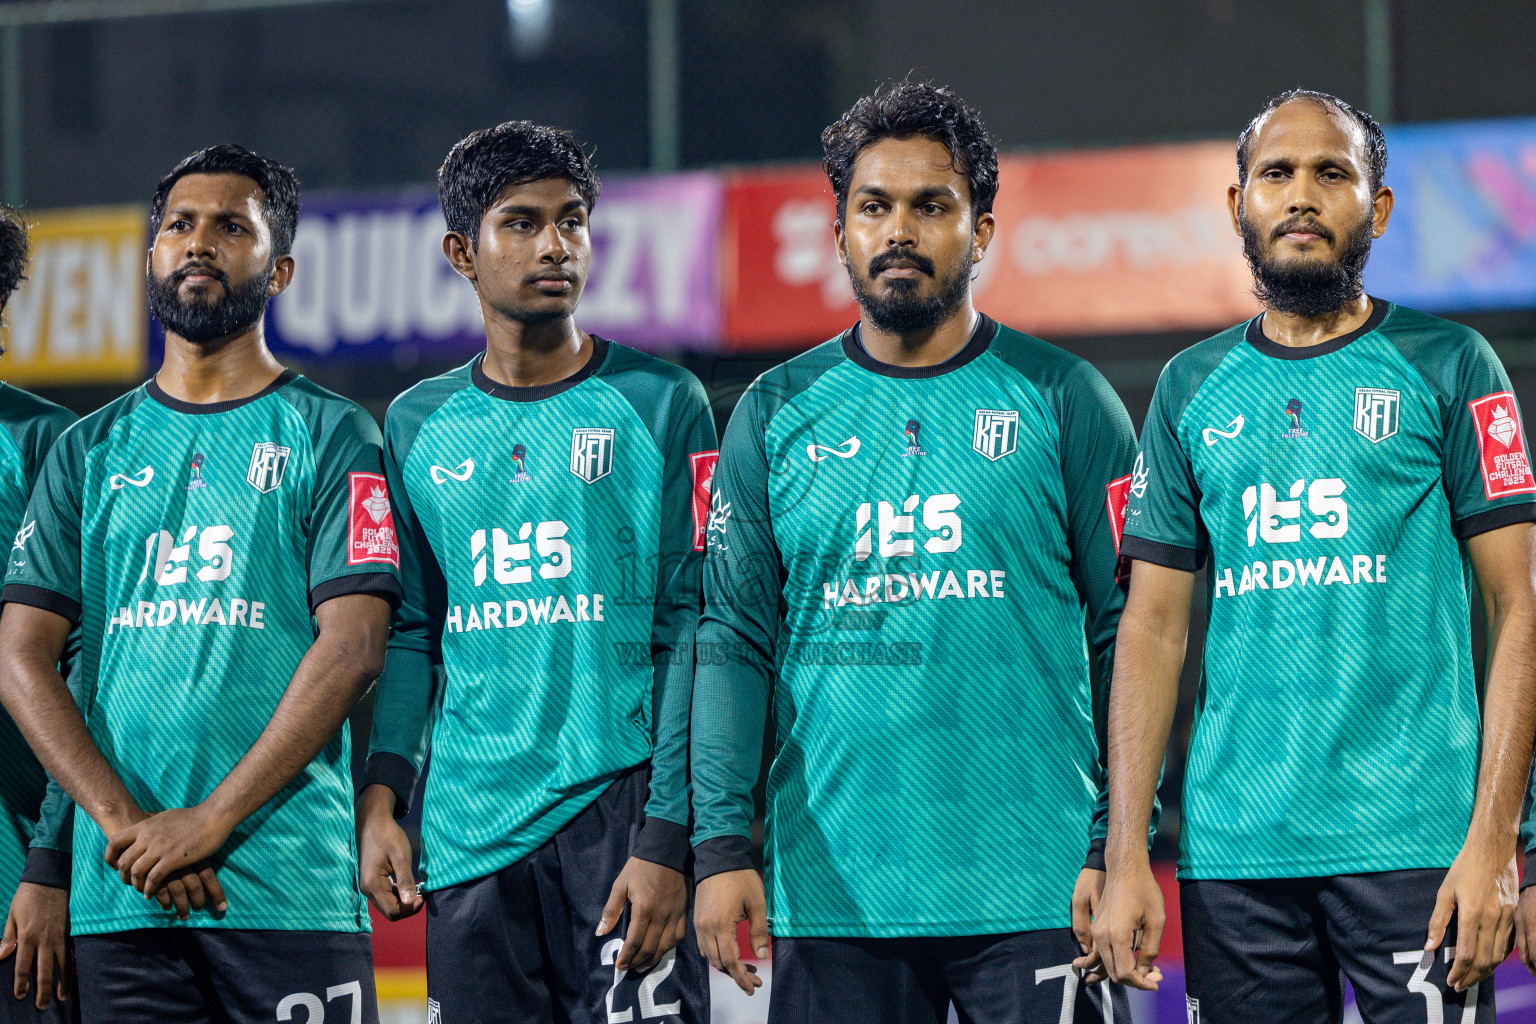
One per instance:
[(1343, 467)]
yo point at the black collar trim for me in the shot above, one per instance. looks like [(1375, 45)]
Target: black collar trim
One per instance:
[(1379, 310), (981, 337), (204, 408), (539, 391)]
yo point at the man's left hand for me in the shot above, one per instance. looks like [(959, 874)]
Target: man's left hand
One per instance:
[(658, 909)]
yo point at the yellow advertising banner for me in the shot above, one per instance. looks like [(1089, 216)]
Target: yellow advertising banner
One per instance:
[(81, 316)]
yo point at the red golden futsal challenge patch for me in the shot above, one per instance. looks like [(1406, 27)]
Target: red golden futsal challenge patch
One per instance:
[(371, 522), (703, 486), (1119, 496), (1501, 443)]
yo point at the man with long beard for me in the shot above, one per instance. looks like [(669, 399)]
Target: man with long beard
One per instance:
[(1341, 463), (910, 525), (224, 538)]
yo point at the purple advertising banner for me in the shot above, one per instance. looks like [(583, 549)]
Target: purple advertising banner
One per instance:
[(371, 276)]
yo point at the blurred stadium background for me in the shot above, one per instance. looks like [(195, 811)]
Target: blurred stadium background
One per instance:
[(713, 236)]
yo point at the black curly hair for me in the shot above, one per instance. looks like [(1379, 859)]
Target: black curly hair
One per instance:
[(279, 188), (904, 110), (483, 163), (13, 251), (1375, 141)]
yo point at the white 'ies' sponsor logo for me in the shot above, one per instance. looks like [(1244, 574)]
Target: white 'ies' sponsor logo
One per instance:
[(1308, 512)]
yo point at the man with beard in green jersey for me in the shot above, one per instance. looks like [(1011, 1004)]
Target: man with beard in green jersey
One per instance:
[(223, 536), (35, 815), (911, 525), (552, 495), (1343, 467)]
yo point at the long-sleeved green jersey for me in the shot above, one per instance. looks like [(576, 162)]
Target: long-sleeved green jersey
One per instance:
[(903, 560), (28, 427), (1332, 490), (551, 540)]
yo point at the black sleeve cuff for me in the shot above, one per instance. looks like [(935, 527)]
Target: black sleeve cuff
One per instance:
[(723, 853), (1170, 555), (1095, 861), (383, 584), (1529, 878), (394, 771), (41, 597), (663, 842), (1482, 522), (47, 867)]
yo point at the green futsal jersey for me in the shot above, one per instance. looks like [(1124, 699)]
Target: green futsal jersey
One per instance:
[(1331, 490), (903, 561), (552, 541), (28, 427), (192, 543)]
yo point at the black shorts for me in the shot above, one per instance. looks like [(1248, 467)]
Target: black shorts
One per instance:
[(25, 1011), (1267, 952), (1022, 978), (229, 976), (520, 945)]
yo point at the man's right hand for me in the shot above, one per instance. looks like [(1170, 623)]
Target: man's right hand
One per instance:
[(1128, 926), (722, 902), (384, 856), (1525, 928), (37, 931)]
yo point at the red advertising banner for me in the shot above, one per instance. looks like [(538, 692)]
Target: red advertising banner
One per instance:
[(1092, 242)]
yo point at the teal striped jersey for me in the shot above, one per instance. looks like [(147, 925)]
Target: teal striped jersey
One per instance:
[(1331, 490), (191, 543), (552, 538), (30, 426), (902, 561)]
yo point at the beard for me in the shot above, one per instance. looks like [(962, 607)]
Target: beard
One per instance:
[(1307, 288), (205, 321), (898, 308)]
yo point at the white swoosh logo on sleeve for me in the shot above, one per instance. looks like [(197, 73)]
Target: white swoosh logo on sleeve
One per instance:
[(463, 472), (1233, 429), (139, 479), (847, 450)]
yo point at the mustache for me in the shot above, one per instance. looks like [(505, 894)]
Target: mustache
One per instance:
[(891, 257), (1304, 224), (182, 273)]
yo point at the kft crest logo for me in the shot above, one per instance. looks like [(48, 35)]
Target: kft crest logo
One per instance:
[(591, 453), (1376, 412), (269, 460), (996, 433)]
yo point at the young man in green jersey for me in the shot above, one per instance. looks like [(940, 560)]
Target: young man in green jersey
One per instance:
[(911, 525), (224, 538), (552, 497), (1342, 466), (34, 814)]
